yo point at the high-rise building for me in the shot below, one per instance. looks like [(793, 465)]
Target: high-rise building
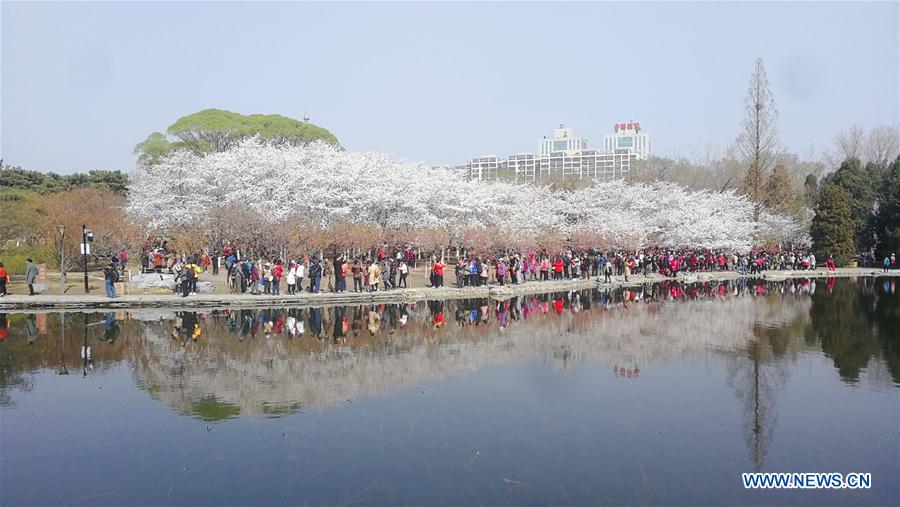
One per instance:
[(563, 140), (566, 155), (628, 138)]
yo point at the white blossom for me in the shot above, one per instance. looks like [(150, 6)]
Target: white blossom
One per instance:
[(320, 184)]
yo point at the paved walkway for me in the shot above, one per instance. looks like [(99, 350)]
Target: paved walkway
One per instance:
[(49, 301)]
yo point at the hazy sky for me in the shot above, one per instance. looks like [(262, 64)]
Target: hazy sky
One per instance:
[(438, 82)]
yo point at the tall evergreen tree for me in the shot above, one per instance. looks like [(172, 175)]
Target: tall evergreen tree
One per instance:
[(861, 185), (810, 189), (887, 220), (833, 228)]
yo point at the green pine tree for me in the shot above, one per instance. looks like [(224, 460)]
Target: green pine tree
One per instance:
[(833, 227), (887, 221), (861, 186)]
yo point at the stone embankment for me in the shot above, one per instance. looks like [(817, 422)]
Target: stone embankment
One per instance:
[(217, 300)]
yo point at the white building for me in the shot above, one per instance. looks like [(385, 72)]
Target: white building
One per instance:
[(628, 138), (563, 140), (567, 155)]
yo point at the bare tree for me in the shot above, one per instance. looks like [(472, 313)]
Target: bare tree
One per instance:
[(848, 144), (758, 140), (882, 145)]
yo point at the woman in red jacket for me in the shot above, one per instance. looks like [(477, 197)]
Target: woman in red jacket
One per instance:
[(4, 279), (557, 269)]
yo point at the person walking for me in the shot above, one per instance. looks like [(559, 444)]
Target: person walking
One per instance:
[(301, 272), (267, 278), (31, 273), (186, 276), (237, 279), (339, 274), (252, 273), (558, 266), (438, 270), (392, 275), (357, 271), (315, 276), (327, 268), (501, 272), (4, 279), (607, 272), (374, 276), (277, 271), (403, 269), (110, 278), (291, 279)]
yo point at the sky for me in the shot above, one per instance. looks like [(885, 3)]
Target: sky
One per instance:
[(439, 83)]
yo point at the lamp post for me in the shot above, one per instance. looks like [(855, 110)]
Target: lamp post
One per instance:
[(62, 347), (62, 258), (86, 351), (87, 236)]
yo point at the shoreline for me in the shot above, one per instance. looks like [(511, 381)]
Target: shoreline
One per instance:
[(55, 302)]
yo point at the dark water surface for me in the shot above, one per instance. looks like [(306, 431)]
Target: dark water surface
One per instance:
[(663, 395)]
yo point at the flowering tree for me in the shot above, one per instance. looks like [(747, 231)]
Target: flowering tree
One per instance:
[(316, 196)]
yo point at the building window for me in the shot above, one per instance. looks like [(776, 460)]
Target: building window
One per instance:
[(625, 142)]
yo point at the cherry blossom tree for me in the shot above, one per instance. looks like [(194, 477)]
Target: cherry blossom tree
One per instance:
[(318, 197)]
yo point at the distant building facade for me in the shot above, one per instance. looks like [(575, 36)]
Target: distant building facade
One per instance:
[(628, 138), (564, 155)]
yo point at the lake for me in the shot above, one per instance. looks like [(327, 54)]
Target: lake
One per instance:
[(661, 395)]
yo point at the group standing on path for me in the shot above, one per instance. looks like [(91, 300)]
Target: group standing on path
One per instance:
[(387, 268)]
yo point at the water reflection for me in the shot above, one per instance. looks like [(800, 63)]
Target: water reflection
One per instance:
[(238, 364), (273, 361)]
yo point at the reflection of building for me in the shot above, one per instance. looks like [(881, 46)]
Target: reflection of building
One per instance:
[(628, 138), (566, 155)]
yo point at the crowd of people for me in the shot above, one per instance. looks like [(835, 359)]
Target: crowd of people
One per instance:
[(387, 268), (308, 272)]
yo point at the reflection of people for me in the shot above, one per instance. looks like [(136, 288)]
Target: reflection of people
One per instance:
[(374, 321), (315, 322), (31, 329), (4, 325), (110, 328), (340, 318)]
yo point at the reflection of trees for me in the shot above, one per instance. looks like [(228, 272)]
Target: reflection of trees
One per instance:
[(855, 322), (370, 352), (759, 371), (211, 409), (28, 349), (249, 361)]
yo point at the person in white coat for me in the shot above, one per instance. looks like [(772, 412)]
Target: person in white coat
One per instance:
[(299, 273), (292, 279)]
